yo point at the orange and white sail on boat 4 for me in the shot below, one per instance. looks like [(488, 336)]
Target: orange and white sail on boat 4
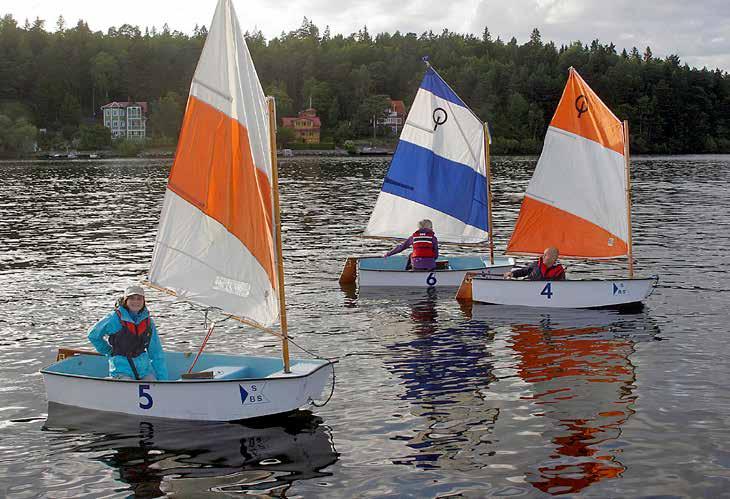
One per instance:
[(216, 241), (577, 198)]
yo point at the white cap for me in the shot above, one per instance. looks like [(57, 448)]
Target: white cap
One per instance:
[(134, 290)]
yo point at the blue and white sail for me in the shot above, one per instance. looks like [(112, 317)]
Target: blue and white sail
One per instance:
[(438, 170)]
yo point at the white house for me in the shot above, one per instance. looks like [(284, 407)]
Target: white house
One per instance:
[(126, 119)]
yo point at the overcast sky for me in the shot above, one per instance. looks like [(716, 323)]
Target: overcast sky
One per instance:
[(697, 31)]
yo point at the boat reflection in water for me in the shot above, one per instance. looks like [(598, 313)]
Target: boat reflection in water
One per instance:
[(442, 370), (534, 398), (575, 370), (163, 456)]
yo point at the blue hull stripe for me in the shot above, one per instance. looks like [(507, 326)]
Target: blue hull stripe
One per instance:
[(434, 84), (417, 174)]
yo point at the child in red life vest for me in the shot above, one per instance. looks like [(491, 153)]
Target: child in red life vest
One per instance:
[(545, 268), (425, 247), (133, 345)]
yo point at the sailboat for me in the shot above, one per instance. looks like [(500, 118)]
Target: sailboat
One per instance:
[(218, 245), (440, 171), (578, 200)]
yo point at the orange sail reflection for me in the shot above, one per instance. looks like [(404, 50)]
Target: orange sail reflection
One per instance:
[(583, 380)]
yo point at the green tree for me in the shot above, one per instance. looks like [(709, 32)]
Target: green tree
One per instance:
[(320, 95), (284, 105), (17, 137), (166, 116), (95, 137), (104, 72), (285, 136), (374, 107)]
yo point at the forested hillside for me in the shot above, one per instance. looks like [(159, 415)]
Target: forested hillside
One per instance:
[(58, 79)]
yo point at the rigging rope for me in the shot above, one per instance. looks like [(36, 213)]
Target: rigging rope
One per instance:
[(206, 310)]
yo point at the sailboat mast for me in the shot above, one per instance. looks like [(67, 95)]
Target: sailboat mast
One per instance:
[(628, 197), (487, 158), (277, 221)]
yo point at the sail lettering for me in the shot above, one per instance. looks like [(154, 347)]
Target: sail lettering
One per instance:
[(238, 288), (580, 104)]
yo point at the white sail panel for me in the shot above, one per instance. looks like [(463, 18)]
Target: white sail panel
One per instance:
[(409, 213), (462, 144)]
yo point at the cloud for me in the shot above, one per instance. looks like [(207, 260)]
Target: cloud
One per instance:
[(696, 31)]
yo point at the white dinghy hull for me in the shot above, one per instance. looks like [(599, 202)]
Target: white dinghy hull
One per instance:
[(390, 272), (596, 293), (231, 395)]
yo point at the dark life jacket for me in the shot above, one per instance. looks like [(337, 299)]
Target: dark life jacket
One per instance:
[(132, 339), (423, 244), (556, 272)]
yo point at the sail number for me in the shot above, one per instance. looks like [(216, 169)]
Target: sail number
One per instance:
[(147, 404), (431, 279), (547, 290)]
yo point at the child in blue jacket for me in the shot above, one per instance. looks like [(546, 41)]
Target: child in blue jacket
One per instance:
[(128, 336)]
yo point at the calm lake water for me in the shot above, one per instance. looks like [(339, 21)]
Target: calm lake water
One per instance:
[(431, 399)]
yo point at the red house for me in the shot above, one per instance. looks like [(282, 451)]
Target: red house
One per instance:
[(306, 126), (395, 116)]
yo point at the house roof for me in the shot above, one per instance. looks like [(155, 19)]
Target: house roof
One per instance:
[(398, 106), (125, 104)]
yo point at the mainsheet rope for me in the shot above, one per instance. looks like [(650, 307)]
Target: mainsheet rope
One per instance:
[(209, 333)]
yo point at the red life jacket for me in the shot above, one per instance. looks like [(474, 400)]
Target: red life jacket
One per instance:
[(555, 272), (423, 244), (132, 339)]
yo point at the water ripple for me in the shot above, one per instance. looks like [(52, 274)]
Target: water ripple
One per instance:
[(432, 399)]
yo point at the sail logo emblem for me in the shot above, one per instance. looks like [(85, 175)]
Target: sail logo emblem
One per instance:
[(252, 394), (439, 117), (618, 289), (581, 105)]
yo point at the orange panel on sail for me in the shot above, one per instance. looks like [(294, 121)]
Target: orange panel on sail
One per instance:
[(540, 225), (582, 112), (214, 171)]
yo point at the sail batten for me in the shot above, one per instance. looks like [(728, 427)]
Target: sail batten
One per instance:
[(438, 170), (576, 199), (215, 243)]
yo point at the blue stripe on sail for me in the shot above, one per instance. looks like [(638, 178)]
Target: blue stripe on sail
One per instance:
[(434, 84), (417, 174)]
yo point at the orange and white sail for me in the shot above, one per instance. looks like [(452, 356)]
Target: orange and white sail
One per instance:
[(576, 200), (215, 243)]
